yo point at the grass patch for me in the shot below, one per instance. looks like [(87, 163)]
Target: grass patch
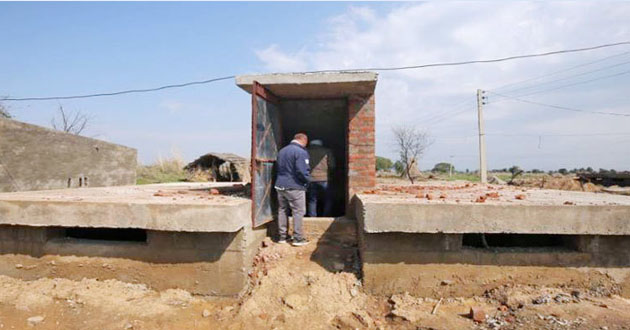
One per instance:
[(163, 171), (461, 176)]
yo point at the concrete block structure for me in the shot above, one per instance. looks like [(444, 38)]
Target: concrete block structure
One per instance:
[(336, 107), (551, 236), (166, 236), (38, 158)]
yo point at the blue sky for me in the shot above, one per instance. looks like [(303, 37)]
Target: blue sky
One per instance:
[(77, 48)]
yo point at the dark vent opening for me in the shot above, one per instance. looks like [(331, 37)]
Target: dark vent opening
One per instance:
[(516, 241), (108, 234)]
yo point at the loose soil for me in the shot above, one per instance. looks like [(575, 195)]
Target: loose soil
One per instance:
[(311, 287)]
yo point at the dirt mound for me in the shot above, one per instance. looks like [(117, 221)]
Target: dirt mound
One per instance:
[(296, 288)]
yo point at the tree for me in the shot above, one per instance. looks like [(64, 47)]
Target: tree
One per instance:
[(563, 171), (383, 164), (589, 169), (4, 113), (442, 167), (411, 144), (516, 171), (399, 168), (73, 122)]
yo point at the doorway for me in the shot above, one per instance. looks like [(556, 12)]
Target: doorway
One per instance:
[(325, 120)]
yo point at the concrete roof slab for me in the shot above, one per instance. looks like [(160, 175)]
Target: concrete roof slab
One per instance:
[(168, 207), (542, 212), (312, 85)]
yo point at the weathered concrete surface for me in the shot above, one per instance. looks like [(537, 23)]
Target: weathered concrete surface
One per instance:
[(410, 243), (37, 158), (185, 207), (312, 85), (202, 263), (438, 265), (379, 214)]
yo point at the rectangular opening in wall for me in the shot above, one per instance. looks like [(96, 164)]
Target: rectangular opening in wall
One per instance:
[(550, 241), (324, 120), (108, 234)]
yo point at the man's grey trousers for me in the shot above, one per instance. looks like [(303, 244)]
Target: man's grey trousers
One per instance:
[(294, 200)]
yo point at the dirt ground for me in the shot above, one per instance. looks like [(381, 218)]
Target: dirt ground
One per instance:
[(311, 287)]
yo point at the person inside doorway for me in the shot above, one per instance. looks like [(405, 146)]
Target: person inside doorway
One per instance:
[(293, 177), (319, 193)]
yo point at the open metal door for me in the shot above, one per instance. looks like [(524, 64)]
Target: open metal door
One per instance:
[(266, 141)]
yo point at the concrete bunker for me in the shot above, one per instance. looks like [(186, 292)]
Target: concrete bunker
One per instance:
[(166, 236), (337, 108), (541, 240), (39, 158)]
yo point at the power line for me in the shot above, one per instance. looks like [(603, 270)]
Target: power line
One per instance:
[(534, 135), (570, 77), (560, 135), (561, 107), (503, 59), (559, 71), (130, 91), (574, 84)]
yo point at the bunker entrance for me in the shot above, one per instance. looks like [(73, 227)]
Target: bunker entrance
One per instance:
[(335, 108), (322, 120)]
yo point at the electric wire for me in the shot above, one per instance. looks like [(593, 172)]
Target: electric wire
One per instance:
[(568, 77), (575, 84), (561, 107), (397, 68), (557, 72)]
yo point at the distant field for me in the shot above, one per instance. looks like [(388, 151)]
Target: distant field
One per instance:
[(163, 171)]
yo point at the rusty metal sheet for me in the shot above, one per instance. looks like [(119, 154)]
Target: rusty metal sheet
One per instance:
[(266, 139)]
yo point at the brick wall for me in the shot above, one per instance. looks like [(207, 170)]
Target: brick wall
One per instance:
[(361, 152)]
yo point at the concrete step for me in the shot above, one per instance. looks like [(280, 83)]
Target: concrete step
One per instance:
[(326, 230)]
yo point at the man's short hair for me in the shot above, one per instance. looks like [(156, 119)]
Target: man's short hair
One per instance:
[(300, 136)]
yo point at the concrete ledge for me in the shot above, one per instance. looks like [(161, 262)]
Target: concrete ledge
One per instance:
[(412, 217), (312, 85), (182, 207)]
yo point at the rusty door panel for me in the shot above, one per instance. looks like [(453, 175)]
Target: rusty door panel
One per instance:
[(266, 141)]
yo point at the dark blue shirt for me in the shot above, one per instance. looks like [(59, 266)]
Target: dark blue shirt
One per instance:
[(293, 169)]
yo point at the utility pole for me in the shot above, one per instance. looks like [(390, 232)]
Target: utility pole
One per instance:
[(450, 168), (483, 166)]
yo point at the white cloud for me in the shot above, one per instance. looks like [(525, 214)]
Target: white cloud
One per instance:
[(454, 31), (172, 106), (278, 61)]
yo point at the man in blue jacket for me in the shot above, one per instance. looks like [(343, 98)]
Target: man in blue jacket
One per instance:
[(293, 177)]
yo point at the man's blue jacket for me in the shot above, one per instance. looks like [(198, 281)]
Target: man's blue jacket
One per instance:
[(293, 169)]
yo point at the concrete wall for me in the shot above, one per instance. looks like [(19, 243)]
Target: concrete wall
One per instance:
[(440, 265), (202, 263), (437, 265), (37, 158)]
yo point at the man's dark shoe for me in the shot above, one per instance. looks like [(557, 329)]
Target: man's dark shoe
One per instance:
[(284, 240), (299, 242)]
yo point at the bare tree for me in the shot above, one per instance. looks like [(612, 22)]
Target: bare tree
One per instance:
[(73, 122), (411, 144)]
